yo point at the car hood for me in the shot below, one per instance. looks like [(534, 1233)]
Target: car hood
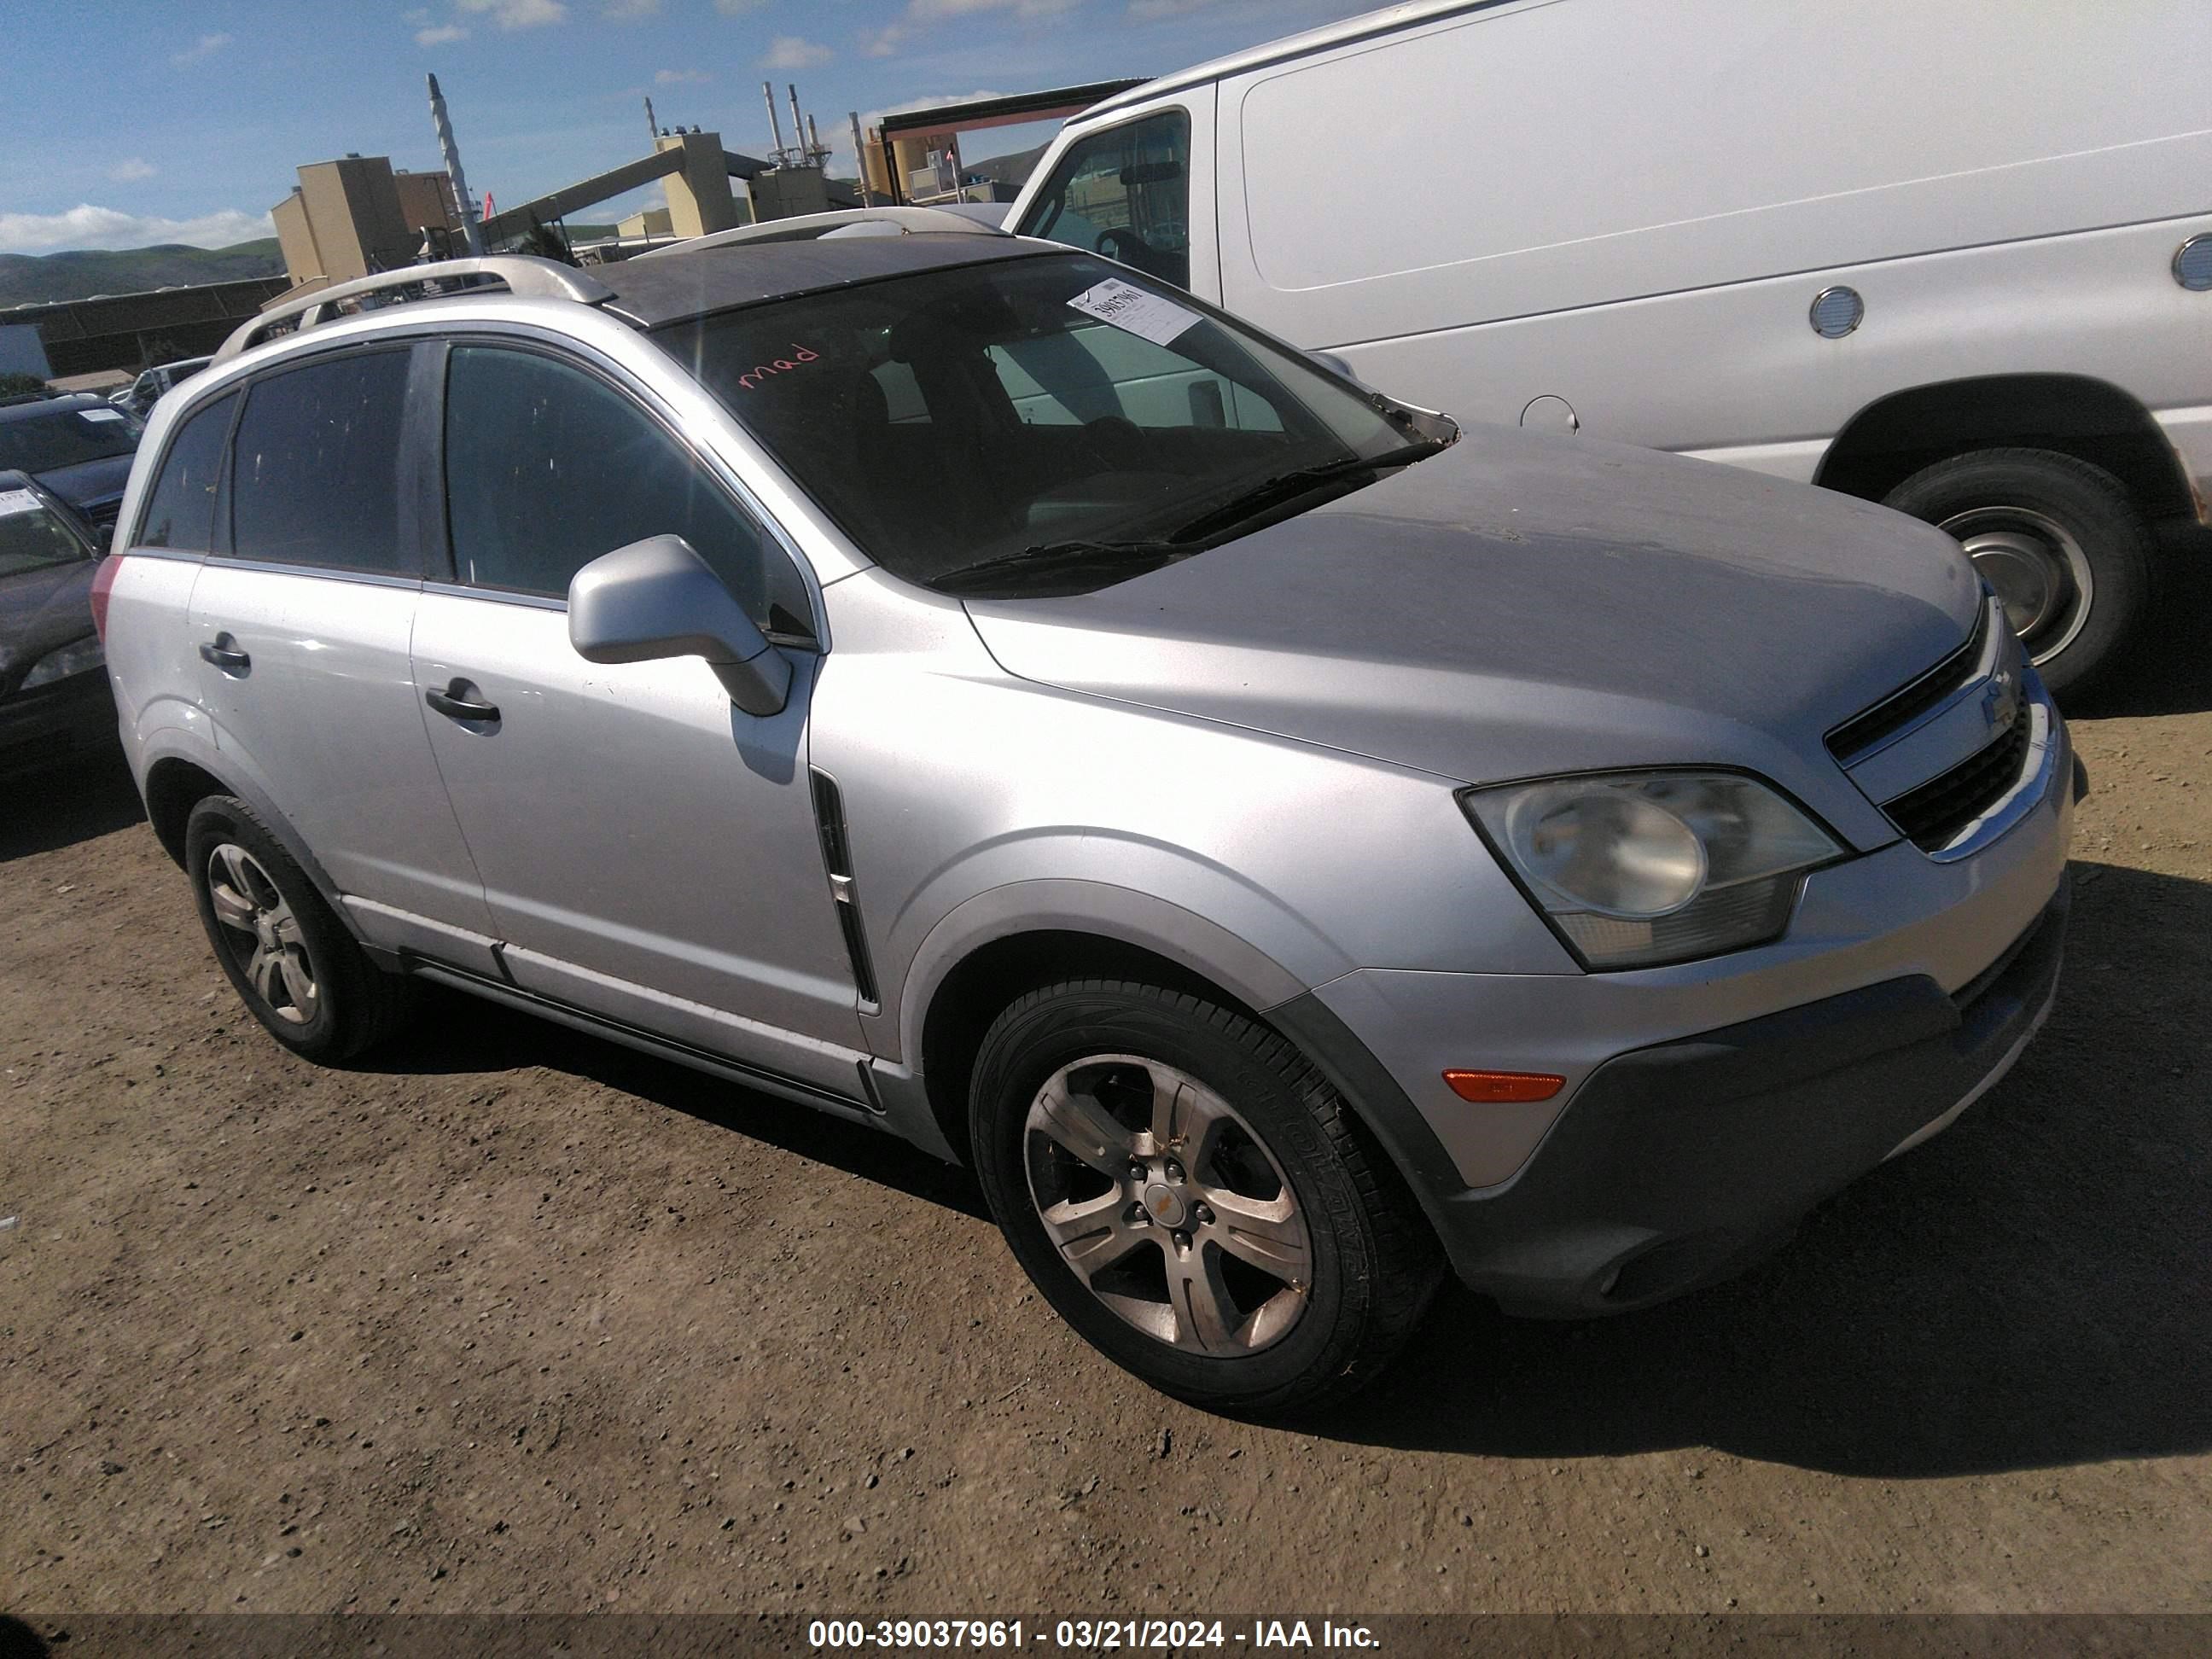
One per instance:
[(89, 483), (1522, 605), (41, 611)]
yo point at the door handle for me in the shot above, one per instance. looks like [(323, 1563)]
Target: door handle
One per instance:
[(459, 701), (224, 654)]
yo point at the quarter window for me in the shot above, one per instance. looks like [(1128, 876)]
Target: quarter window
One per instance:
[(180, 509), (315, 474), (1124, 192), (548, 467)]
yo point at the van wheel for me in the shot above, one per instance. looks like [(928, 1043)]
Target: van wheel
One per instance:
[(1195, 1199), (291, 961), (2067, 551)]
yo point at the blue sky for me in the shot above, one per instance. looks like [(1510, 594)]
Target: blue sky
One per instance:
[(129, 122)]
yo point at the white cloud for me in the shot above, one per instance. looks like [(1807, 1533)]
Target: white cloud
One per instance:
[(913, 104), (631, 11), (887, 40), (675, 77), (88, 227), (788, 52), (417, 18), (206, 47), (130, 168), (439, 35), (518, 14)]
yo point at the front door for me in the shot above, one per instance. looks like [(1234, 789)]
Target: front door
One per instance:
[(649, 851)]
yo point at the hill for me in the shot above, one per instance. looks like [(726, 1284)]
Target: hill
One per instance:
[(26, 277)]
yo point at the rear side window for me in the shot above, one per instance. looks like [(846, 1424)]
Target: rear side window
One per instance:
[(180, 509), (315, 474), (1124, 192), (548, 467)]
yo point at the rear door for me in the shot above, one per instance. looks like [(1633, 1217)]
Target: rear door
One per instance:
[(301, 618), (649, 851)]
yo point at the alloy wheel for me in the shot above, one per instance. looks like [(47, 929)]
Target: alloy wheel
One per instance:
[(262, 933), (1166, 1205)]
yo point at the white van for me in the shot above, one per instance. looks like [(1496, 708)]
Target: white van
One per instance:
[(1953, 255)]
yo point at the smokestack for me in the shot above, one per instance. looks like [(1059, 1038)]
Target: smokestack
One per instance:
[(861, 158), (652, 127), (470, 229), (775, 124), (814, 140), (798, 124)]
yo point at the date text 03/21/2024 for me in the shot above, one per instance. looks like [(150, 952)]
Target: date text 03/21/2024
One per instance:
[(1089, 1634)]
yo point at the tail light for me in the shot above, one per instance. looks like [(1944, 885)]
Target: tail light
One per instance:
[(102, 579)]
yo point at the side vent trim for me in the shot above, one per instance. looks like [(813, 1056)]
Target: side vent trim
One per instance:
[(837, 859)]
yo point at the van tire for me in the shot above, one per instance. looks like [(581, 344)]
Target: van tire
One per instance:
[(1370, 1262), (230, 856), (2035, 515)]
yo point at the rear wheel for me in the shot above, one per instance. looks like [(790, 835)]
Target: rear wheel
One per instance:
[(1194, 1198), (290, 960), (2067, 551)]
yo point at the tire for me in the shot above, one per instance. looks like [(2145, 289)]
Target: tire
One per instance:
[(2066, 548), (1279, 1271), (290, 960)]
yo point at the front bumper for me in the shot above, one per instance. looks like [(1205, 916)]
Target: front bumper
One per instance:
[(1678, 1164), (55, 723)]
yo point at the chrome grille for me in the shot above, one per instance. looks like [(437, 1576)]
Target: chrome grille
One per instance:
[(1868, 730), (1932, 815)]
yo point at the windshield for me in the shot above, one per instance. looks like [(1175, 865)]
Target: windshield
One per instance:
[(54, 438), (978, 413), (31, 537)]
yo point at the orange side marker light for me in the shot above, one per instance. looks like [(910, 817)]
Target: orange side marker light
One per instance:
[(1504, 1088)]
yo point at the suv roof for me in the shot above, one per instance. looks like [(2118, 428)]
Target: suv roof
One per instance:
[(675, 285)]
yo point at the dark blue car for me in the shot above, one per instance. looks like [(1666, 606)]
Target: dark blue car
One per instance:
[(54, 700), (78, 446)]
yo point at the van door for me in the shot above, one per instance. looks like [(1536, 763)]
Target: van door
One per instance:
[(1141, 192), (301, 618), (649, 851)]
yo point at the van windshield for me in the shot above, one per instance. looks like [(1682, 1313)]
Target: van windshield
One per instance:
[(998, 418)]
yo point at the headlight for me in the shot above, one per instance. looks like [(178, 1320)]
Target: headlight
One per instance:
[(1639, 868), (69, 659)]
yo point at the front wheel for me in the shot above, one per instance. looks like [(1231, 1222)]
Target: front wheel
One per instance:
[(1194, 1198), (2065, 548)]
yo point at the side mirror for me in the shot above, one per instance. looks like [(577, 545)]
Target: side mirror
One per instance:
[(657, 598)]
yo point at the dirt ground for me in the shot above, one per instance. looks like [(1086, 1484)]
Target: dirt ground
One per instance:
[(513, 1319)]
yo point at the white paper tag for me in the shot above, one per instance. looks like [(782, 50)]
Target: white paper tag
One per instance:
[(13, 501), (101, 414), (1135, 310)]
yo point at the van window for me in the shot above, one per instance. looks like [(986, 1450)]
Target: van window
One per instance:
[(180, 507), (1124, 192), (548, 467), (315, 470)]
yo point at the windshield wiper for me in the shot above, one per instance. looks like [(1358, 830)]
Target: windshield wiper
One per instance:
[(1058, 560), (1288, 486)]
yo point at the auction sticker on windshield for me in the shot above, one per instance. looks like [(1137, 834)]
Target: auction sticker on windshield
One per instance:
[(1132, 308), (13, 501)]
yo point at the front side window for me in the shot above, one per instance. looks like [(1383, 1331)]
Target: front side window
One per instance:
[(31, 537), (548, 467), (1033, 403), (314, 477), (47, 439), (180, 507), (1124, 192)]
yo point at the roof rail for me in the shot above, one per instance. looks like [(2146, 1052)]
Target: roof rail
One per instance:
[(812, 226), (518, 274)]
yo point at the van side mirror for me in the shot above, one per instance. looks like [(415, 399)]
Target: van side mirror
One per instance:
[(657, 598)]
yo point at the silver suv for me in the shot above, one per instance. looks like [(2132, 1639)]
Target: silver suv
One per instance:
[(1287, 846)]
